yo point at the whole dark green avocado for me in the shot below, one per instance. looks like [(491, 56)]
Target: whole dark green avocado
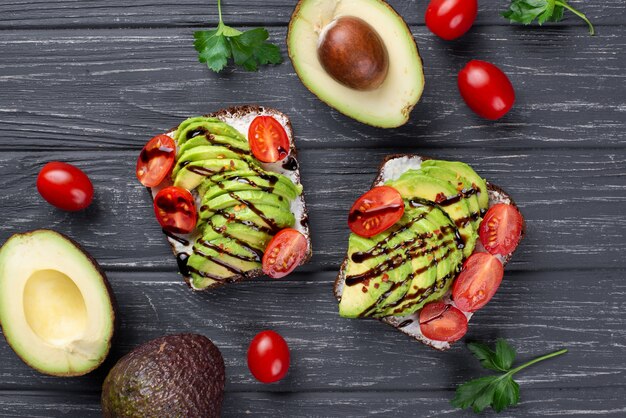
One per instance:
[(173, 376)]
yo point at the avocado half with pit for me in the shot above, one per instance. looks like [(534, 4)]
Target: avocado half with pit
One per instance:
[(359, 57), (56, 306)]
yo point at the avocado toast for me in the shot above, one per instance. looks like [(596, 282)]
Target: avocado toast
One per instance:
[(240, 201), (392, 275)]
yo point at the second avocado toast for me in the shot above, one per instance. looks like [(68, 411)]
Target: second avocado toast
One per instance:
[(242, 203), (394, 274)]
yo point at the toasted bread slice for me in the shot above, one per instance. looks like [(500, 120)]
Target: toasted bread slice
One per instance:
[(240, 118), (392, 167)]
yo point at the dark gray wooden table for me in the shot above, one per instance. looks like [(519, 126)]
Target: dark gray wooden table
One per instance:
[(88, 82)]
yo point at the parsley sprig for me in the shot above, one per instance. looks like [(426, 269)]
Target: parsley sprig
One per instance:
[(525, 11), (248, 49), (498, 391)]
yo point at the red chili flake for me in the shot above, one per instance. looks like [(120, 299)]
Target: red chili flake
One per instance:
[(440, 198), (385, 277), (376, 285), (364, 289)]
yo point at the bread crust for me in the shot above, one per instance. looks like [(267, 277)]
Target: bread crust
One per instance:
[(496, 195)]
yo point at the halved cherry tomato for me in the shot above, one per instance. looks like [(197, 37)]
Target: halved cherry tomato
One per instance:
[(65, 186), (268, 140), (375, 211), (156, 160), (284, 253), (486, 89), (501, 229), (175, 210), (479, 280), (442, 322), (268, 357), (449, 19)]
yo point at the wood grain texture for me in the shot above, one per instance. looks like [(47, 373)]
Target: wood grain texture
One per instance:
[(124, 13), (531, 309), (109, 89), (572, 201), (89, 82), (606, 402)]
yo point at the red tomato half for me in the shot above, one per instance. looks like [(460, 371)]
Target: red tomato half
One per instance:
[(156, 160), (479, 280), (486, 89), (65, 186), (268, 140), (449, 19), (284, 253), (501, 229), (375, 211), (268, 357), (442, 322), (175, 210)]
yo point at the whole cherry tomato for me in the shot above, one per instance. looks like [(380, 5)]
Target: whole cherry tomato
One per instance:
[(65, 186), (268, 357), (449, 19), (268, 140), (156, 160), (375, 211), (284, 253), (479, 280), (175, 210), (442, 322), (501, 229), (486, 89)]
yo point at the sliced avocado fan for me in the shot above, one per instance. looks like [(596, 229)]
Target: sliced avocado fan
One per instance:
[(242, 205), (398, 271)]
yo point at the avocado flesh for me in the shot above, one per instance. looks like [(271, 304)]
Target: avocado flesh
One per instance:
[(387, 106), (465, 171), (192, 175), (415, 185), (390, 258), (242, 206), (220, 259), (173, 376), (438, 224), (56, 306), (206, 152), (462, 185), (444, 264)]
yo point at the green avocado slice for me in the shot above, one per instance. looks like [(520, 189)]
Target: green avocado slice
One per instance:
[(238, 184), (203, 126), (444, 232), (268, 178), (223, 258), (199, 141), (245, 198), (192, 175), (415, 185), (206, 152), (254, 235), (263, 215), (375, 265), (462, 185), (467, 172)]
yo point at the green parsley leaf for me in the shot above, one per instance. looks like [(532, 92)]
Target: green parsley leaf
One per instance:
[(248, 49), (497, 391), (526, 11)]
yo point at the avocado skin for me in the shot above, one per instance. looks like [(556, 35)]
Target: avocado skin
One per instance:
[(173, 376)]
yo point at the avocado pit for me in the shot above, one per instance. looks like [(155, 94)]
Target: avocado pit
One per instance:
[(352, 52)]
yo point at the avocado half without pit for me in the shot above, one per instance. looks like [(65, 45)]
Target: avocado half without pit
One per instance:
[(56, 307), (359, 57)]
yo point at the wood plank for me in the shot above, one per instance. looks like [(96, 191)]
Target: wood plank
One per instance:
[(119, 13), (114, 88), (573, 203), (537, 311), (606, 402)]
